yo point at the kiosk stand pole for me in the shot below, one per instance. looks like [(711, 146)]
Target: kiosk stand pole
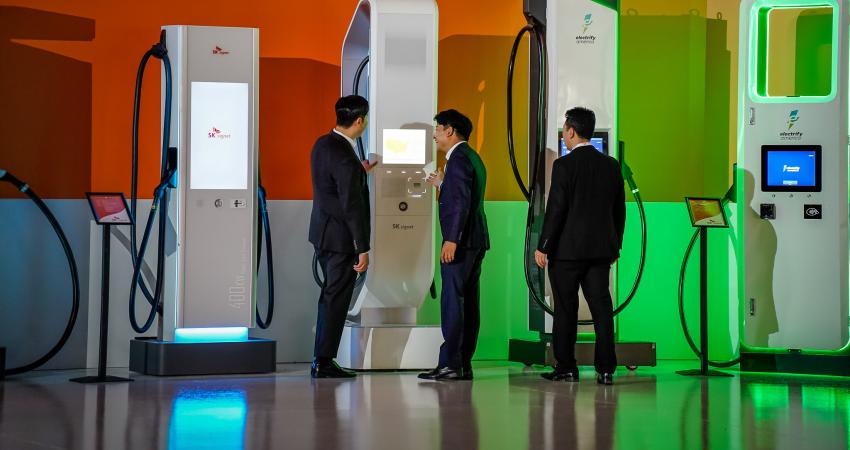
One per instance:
[(104, 318), (703, 312)]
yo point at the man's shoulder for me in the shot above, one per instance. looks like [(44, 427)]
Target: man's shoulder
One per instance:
[(330, 141)]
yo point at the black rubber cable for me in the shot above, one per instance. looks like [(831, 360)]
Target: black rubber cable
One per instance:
[(161, 194), (528, 193), (539, 152), (72, 267), (266, 228)]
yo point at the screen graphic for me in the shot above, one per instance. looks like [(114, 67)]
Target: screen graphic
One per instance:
[(404, 147), (791, 168), (109, 208), (219, 136), (706, 212)]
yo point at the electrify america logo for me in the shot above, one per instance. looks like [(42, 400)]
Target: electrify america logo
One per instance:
[(793, 117), (585, 38), (220, 51), (217, 134)]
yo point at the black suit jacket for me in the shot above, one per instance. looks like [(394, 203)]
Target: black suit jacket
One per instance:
[(462, 218), (340, 218), (586, 209)]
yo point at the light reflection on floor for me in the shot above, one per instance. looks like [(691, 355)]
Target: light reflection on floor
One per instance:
[(507, 407)]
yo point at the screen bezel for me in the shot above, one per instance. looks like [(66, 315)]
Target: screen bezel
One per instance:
[(109, 194), (725, 223), (766, 149)]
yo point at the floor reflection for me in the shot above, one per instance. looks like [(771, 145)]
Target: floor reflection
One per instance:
[(203, 418), (506, 407)]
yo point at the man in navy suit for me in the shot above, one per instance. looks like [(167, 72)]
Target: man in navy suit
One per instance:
[(339, 227), (465, 240)]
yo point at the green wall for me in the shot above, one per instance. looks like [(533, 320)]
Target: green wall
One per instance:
[(653, 314)]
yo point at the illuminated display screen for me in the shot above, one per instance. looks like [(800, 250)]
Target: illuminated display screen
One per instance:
[(599, 141), (404, 147), (791, 168), (219, 136)]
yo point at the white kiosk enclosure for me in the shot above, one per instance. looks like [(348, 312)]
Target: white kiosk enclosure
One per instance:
[(400, 81)]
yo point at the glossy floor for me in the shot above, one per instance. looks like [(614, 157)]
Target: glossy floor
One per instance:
[(508, 406)]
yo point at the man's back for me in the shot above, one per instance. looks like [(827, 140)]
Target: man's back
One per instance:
[(340, 218), (585, 212)]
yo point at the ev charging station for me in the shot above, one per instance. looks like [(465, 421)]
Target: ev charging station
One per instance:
[(792, 186), (573, 62), (208, 281), (399, 78)]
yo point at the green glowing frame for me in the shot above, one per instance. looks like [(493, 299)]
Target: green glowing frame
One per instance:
[(759, 26)]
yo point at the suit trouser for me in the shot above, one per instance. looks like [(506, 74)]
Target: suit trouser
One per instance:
[(592, 276), (460, 307), (334, 301)]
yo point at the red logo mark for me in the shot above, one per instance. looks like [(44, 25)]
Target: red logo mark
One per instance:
[(216, 133), (220, 51)]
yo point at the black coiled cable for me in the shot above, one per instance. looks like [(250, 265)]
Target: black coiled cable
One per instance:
[(72, 266), (530, 192), (265, 228), (160, 200), (535, 283)]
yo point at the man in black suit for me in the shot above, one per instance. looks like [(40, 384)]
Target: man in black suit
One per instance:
[(581, 238), (339, 227), (465, 240)]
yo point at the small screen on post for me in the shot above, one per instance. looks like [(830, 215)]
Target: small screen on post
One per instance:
[(109, 208), (791, 168)]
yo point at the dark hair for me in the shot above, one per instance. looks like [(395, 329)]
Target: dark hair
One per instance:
[(349, 108), (582, 120), (453, 118)]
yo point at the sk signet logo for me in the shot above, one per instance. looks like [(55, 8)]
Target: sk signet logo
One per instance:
[(220, 51), (217, 134)]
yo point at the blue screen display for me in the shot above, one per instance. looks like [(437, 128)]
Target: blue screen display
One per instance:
[(597, 143), (791, 168)]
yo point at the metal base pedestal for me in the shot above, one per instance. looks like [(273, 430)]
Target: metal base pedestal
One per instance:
[(153, 357)]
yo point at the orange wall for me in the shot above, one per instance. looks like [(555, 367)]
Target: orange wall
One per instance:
[(69, 68)]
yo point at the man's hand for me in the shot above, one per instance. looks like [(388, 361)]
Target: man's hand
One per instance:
[(435, 178), (447, 255), (367, 166), (540, 258), (362, 263)]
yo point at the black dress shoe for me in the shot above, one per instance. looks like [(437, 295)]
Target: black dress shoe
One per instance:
[(442, 374), (561, 375), (605, 378), (329, 370), (467, 373)]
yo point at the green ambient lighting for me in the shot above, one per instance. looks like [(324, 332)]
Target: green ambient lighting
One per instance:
[(758, 59)]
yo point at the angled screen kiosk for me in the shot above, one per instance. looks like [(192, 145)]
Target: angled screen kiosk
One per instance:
[(792, 180), (390, 57)]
